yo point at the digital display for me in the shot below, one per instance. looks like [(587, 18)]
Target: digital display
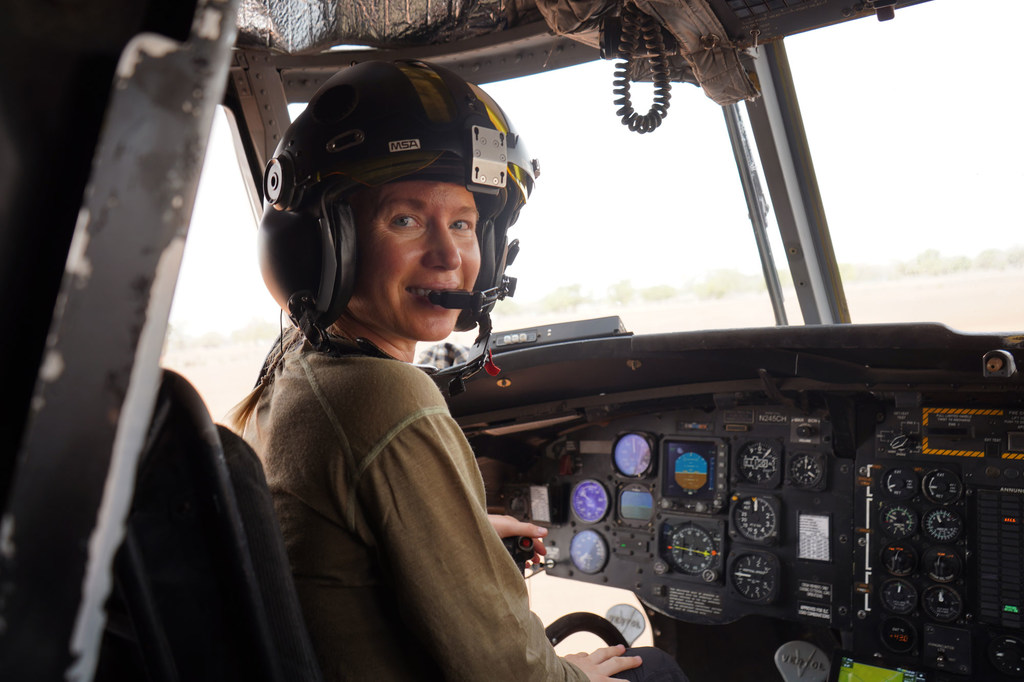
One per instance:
[(689, 469), (850, 670), (636, 504)]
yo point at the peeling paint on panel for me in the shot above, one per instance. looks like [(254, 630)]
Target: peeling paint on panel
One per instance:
[(6, 537), (78, 263), (52, 367), (151, 44), (118, 489), (209, 24)]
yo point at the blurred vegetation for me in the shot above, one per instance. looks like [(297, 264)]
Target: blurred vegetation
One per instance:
[(256, 331), (714, 285), (720, 284)]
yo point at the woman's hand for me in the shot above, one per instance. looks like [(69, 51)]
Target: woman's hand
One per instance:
[(601, 664), (509, 527)]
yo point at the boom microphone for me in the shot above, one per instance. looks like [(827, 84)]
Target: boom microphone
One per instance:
[(473, 301)]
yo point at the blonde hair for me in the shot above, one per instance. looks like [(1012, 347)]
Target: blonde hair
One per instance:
[(239, 415)]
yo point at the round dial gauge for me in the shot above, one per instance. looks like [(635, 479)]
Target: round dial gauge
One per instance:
[(1007, 654), (942, 603), (756, 518), (759, 462), (691, 548), (898, 635), (755, 576), (898, 596), (589, 551), (806, 470), (942, 486), (942, 524), (589, 501), (898, 521), (899, 559), (900, 483), (632, 454), (942, 564)]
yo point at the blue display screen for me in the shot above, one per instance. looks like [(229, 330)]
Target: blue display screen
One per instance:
[(636, 505), (689, 469)]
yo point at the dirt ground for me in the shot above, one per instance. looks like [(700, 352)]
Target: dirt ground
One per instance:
[(976, 302), (971, 303)]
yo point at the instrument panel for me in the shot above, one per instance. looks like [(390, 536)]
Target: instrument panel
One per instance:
[(875, 494), (706, 515)]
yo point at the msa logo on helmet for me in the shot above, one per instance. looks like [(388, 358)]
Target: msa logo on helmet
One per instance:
[(403, 145)]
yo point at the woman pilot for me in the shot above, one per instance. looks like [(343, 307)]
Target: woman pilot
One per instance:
[(388, 199)]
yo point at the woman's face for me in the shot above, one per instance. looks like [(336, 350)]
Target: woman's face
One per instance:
[(414, 236)]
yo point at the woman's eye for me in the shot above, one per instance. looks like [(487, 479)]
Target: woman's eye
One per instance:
[(404, 221), (462, 225)]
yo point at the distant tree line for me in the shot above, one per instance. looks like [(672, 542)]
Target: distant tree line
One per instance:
[(714, 285), (728, 282)]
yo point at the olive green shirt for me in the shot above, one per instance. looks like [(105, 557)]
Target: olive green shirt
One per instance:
[(398, 570)]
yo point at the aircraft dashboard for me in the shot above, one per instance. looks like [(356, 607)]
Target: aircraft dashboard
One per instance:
[(861, 484)]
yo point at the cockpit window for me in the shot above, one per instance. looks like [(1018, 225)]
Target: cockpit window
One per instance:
[(918, 163)]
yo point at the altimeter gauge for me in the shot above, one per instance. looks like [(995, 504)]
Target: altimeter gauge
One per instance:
[(755, 576)]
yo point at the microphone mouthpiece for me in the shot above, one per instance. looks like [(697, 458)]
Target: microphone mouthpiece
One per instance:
[(456, 300)]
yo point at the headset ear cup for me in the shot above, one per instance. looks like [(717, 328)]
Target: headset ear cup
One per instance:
[(341, 228), (290, 249)]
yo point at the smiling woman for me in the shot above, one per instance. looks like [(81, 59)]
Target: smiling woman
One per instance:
[(362, 458), (416, 237)]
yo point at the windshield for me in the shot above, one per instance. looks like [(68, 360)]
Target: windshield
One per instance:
[(916, 151)]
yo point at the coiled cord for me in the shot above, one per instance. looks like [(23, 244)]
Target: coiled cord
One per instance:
[(634, 24)]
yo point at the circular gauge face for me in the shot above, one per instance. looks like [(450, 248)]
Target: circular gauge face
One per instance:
[(942, 486), (1007, 654), (899, 559), (759, 462), (756, 518), (942, 524), (589, 501), (898, 596), (942, 603), (898, 521), (691, 548), (755, 576), (632, 454), (898, 635), (942, 564), (589, 551), (900, 483), (806, 470)]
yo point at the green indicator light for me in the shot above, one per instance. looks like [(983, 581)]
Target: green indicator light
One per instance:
[(1011, 609)]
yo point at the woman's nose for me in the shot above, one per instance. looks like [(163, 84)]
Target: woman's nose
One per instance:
[(444, 252)]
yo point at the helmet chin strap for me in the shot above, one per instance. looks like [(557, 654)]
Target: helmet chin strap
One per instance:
[(452, 381)]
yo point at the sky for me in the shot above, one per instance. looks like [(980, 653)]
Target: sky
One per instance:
[(912, 123)]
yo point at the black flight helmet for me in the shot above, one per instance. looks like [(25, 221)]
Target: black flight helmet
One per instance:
[(370, 124)]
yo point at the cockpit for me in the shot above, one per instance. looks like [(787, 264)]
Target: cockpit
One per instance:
[(818, 478)]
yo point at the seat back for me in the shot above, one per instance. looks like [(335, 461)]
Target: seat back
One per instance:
[(203, 589)]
